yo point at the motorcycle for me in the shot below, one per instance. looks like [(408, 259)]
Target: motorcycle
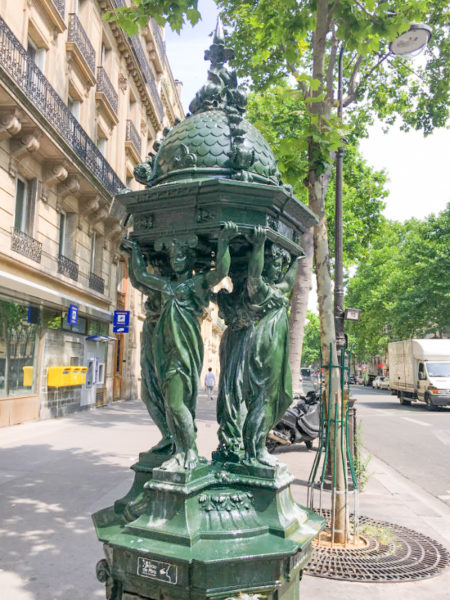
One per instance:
[(300, 423)]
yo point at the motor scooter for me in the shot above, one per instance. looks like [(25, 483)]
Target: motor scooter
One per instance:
[(300, 423)]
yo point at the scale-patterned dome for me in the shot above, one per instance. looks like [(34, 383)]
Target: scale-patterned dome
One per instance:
[(214, 141), (202, 145)]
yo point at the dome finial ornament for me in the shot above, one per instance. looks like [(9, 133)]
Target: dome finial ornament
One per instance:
[(221, 89)]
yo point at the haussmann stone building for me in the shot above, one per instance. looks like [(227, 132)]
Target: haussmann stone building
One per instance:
[(81, 104)]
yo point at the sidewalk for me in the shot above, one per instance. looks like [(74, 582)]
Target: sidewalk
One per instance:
[(54, 474)]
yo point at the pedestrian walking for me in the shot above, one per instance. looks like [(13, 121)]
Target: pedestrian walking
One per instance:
[(210, 382)]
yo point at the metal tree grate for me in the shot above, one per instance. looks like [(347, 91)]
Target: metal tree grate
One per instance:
[(406, 556)]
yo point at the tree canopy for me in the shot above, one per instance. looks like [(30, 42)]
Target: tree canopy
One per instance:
[(402, 286)]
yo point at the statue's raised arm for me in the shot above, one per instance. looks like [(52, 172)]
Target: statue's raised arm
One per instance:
[(138, 268)]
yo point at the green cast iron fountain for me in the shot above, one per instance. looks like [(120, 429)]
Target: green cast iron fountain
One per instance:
[(214, 205)]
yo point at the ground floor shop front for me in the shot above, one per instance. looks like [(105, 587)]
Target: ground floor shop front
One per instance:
[(56, 352)]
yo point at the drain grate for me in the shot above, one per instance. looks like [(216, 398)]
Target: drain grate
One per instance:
[(406, 556)]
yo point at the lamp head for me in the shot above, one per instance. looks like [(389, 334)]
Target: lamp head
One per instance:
[(412, 42)]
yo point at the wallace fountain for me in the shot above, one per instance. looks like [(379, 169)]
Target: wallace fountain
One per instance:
[(213, 205)]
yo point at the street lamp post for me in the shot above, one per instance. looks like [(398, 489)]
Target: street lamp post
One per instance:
[(407, 45), (338, 229)]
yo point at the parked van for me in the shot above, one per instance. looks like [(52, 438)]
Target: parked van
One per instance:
[(420, 370)]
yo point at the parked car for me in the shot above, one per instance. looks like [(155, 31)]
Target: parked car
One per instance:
[(384, 384), (359, 379), (377, 382), (351, 379)]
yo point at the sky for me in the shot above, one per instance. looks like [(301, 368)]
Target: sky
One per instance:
[(418, 168)]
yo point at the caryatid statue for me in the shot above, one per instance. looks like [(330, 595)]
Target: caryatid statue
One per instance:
[(177, 342), (267, 374), (151, 392)]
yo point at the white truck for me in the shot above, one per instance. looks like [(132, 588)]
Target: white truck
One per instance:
[(420, 370)]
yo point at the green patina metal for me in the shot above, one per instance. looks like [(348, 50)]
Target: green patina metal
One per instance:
[(214, 204)]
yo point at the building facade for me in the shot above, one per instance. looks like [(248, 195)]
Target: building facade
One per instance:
[(81, 104)]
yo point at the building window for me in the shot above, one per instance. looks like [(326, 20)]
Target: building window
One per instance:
[(101, 145), (74, 107), (96, 253), (18, 356), (25, 205), (36, 54), (67, 227), (62, 233)]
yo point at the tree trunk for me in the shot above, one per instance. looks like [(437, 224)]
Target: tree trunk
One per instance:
[(299, 306), (317, 190)]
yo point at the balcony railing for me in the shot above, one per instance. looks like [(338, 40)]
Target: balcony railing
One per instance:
[(60, 6), (146, 71), (27, 76), (79, 37), (133, 136), (67, 267), (26, 245), (96, 283), (104, 86)]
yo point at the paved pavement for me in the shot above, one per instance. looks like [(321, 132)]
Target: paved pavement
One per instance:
[(54, 474)]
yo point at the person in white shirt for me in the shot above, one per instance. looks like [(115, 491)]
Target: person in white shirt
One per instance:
[(210, 382)]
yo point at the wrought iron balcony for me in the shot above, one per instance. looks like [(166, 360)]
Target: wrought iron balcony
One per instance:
[(26, 245), (21, 69), (67, 267), (96, 283), (105, 88), (146, 71), (60, 6), (133, 136), (79, 38)]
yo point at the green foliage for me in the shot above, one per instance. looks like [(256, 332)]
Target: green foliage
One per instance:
[(402, 285), (173, 12), (311, 340), (283, 120)]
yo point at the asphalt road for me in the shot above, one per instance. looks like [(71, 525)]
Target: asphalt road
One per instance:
[(412, 440)]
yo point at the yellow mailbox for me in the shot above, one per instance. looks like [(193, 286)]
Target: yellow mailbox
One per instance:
[(27, 376), (78, 375), (66, 376)]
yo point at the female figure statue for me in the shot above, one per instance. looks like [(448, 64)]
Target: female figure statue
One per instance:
[(177, 342), (268, 380), (151, 392), (234, 308)]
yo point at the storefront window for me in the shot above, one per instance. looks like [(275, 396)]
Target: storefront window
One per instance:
[(98, 327), (18, 343), (80, 327), (51, 318)]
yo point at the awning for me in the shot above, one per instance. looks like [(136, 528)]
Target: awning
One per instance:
[(101, 338)]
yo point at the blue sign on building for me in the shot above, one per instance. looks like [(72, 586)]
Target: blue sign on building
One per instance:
[(121, 318), (120, 329), (72, 314)]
